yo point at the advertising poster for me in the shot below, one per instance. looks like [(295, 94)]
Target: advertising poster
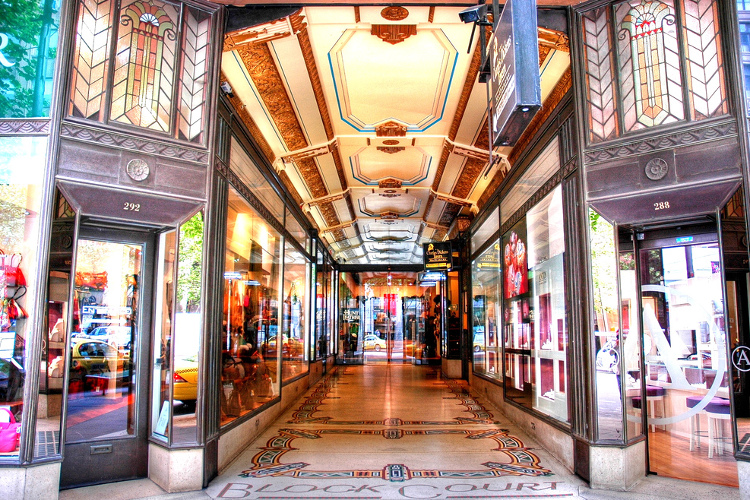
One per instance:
[(515, 263)]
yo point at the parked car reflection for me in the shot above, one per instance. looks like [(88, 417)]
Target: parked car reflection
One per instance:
[(373, 342), (185, 379)]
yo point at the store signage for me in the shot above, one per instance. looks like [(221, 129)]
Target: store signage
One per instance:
[(741, 358), (232, 275), (437, 255), (490, 259), (350, 315), (430, 276), (515, 85), (107, 311), (4, 43)]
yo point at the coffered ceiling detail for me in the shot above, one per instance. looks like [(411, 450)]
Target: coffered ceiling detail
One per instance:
[(374, 117)]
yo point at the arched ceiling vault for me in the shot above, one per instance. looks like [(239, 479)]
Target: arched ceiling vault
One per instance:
[(375, 119)]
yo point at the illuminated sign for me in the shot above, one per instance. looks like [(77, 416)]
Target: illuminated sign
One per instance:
[(438, 256)]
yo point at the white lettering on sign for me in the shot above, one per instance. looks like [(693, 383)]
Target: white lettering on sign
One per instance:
[(3, 44), (741, 358)]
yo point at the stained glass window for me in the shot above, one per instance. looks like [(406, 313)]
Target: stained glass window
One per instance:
[(144, 65), (159, 70), (651, 63)]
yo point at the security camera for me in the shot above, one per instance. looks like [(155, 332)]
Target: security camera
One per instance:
[(227, 88), (473, 14)]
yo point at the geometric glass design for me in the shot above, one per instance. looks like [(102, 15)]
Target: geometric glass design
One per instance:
[(705, 64), (602, 92), (159, 75), (653, 64), (143, 84), (194, 54), (650, 63), (91, 57)]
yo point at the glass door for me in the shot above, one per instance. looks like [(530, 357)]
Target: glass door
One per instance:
[(107, 393), (687, 403)]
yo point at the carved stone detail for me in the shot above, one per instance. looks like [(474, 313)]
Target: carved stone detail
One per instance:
[(391, 129), (393, 33), (553, 39), (137, 169), (25, 127), (656, 169), (394, 13), (664, 142), (391, 142), (391, 150), (122, 141)]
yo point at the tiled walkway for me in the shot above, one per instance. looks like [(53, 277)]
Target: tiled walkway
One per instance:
[(398, 432)]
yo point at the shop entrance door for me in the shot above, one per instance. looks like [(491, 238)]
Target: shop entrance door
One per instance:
[(107, 390), (687, 405)]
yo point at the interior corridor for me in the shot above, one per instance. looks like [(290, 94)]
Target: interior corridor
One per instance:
[(396, 431)]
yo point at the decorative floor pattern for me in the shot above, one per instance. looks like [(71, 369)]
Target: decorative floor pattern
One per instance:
[(290, 451)]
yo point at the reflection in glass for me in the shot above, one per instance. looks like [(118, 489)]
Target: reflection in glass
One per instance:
[(21, 176), (162, 341), (49, 410), (606, 327), (104, 340), (684, 343), (28, 41), (486, 282), (250, 358), (294, 318), (630, 335)]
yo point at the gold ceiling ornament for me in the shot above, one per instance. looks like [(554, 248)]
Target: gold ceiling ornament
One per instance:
[(394, 13), (391, 142), (266, 32), (391, 149), (393, 33), (389, 183), (390, 129)]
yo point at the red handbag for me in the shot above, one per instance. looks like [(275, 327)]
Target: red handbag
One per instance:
[(10, 265), (10, 431)]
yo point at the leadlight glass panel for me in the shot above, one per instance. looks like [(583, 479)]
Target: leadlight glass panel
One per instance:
[(602, 93), (159, 71), (702, 43), (664, 67), (651, 83), (144, 65), (91, 58)]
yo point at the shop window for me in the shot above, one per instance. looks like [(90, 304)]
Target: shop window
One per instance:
[(294, 313), (160, 71), (535, 332), (178, 333), (22, 167), (643, 57), (28, 51), (486, 287), (251, 348), (607, 334)]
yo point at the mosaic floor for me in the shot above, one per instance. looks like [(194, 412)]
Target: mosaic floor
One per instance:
[(393, 431)]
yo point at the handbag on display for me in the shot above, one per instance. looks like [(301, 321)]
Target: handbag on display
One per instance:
[(10, 264), (9, 431)]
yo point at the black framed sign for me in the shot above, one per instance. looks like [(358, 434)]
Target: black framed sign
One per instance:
[(515, 85), (438, 256)]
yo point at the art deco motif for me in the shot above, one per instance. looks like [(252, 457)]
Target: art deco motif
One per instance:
[(390, 129), (389, 184), (138, 169), (602, 95), (25, 127), (192, 100), (390, 142), (144, 68), (122, 141), (394, 13), (393, 33), (280, 28), (656, 169), (390, 149)]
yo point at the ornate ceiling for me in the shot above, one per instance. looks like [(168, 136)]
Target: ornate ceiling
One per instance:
[(375, 119)]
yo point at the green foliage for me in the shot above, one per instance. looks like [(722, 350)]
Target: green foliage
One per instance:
[(25, 89), (189, 264)]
